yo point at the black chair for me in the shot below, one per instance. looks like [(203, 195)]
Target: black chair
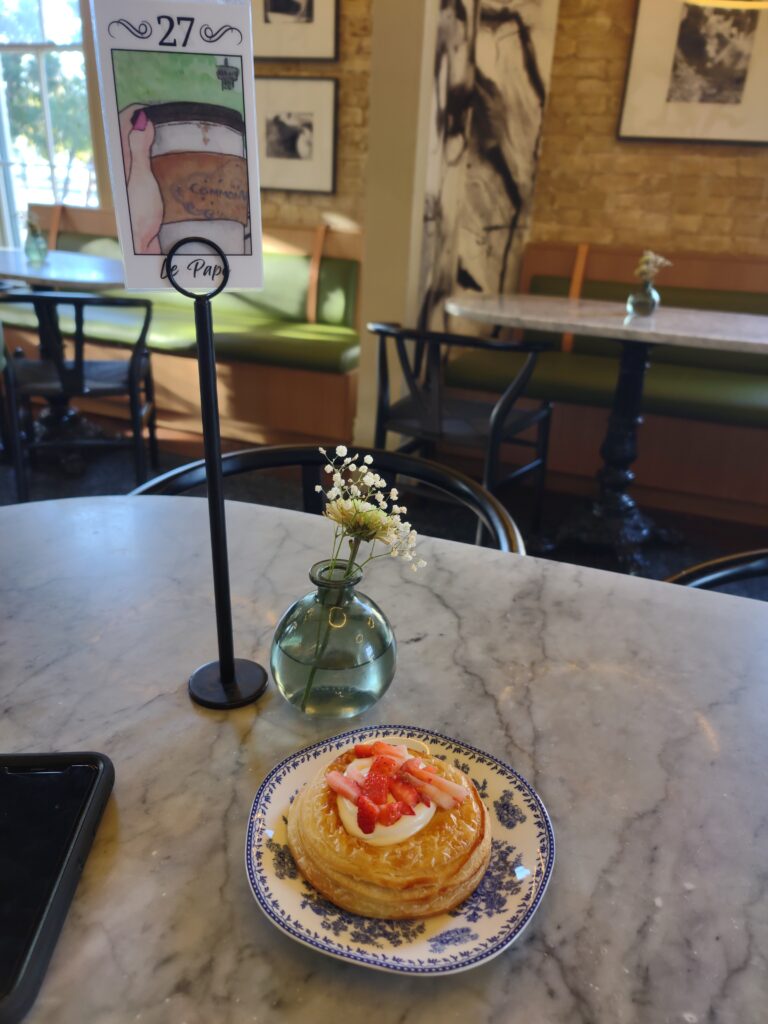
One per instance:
[(428, 414), (720, 571), (58, 379), (489, 511)]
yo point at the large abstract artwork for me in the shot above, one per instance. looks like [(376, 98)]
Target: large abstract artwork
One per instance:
[(491, 73), (697, 72)]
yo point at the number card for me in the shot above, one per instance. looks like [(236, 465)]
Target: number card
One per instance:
[(179, 112)]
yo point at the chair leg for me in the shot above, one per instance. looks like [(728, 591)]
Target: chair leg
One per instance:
[(139, 455), (149, 391), (14, 436), (542, 451)]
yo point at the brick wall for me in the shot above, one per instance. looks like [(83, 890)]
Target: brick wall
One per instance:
[(352, 71), (592, 187)]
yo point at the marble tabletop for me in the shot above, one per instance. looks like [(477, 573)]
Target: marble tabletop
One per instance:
[(63, 270), (639, 710), (669, 325)]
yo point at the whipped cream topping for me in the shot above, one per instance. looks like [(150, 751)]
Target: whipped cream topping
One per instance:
[(382, 835)]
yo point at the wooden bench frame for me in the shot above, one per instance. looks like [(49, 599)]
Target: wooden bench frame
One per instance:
[(258, 403)]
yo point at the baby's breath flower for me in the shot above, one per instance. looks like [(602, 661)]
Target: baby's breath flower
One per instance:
[(357, 504)]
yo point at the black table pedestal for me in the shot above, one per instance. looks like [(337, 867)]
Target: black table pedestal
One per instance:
[(612, 519)]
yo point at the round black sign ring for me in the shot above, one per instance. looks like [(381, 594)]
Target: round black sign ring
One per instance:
[(212, 245)]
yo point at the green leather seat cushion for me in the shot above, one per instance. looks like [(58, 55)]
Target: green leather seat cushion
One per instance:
[(243, 331), (690, 392)]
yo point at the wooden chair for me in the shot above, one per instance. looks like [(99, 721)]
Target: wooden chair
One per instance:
[(57, 379), (490, 512), (429, 413)]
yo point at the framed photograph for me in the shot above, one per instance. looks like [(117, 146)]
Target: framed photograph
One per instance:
[(297, 133), (697, 73), (295, 29)]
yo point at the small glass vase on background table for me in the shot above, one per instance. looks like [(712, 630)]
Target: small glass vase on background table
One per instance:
[(333, 652)]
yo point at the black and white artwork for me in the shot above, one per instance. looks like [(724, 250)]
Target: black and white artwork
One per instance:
[(712, 56), (289, 136), (277, 11), (491, 71), (297, 133), (697, 73), (295, 30)]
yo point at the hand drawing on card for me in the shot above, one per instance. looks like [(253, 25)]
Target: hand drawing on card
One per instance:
[(182, 134)]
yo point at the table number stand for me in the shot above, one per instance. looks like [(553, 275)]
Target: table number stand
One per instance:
[(229, 682)]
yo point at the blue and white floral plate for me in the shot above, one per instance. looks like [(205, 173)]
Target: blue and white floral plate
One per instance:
[(478, 930)]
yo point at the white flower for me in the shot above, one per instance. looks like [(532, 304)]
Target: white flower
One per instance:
[(368, 459), (323, 451), (368, 479), (333, 493), (354, 490), (318, 489), (420, 564), (393, 494), (329, 469), (341, 450)]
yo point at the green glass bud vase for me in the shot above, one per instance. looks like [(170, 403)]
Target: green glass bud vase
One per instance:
[(333, 653), (35, 247), (643, 302)]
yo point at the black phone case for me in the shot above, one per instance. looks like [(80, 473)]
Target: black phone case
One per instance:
[(18, 1001)]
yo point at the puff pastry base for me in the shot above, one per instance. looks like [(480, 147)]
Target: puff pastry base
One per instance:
[(429, 873)]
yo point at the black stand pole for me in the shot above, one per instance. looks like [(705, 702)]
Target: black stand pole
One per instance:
[(229, 682)]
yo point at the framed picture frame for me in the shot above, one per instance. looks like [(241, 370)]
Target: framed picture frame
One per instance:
[(295, 30), (297, 133), (697, 73)]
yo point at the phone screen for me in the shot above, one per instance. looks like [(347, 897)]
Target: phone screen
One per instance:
[(39, 813)]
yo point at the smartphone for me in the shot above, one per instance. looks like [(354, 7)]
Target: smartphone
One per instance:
[(50, 807)]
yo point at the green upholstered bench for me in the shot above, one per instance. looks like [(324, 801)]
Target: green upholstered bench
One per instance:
[(302, 326), (262, 327), (690, 383)]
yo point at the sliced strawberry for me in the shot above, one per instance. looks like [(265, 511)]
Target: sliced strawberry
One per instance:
[(402, 790), (437, 796), (363, 750), (390, 813), (421, 771), (425, 800), (367, 814), (384, 765), (343, 786), (405, 808), (400, 754), (376, 786)]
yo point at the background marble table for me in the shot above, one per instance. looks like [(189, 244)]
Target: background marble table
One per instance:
[(669, 325), (62, 270), (613, 519), (639, 710)]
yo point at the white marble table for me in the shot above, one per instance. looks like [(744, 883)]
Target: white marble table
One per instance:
[(613, 519), (639, 710), (74, 270), (669, 325)]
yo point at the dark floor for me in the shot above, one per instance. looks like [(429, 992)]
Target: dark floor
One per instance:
[(112, 473)]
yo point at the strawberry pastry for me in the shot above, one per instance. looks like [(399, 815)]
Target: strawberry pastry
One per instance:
[(390, 831)]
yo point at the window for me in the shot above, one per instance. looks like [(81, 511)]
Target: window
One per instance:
[(46, 151)]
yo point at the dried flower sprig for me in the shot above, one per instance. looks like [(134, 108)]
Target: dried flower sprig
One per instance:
[(649, 266), (359, 506)]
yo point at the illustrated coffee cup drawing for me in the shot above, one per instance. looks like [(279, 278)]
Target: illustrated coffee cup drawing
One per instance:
[(198, 161)]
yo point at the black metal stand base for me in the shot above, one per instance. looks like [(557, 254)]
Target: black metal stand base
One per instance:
[(207, 688)]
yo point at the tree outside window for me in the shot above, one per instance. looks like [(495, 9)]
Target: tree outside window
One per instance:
[(46, 150)]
